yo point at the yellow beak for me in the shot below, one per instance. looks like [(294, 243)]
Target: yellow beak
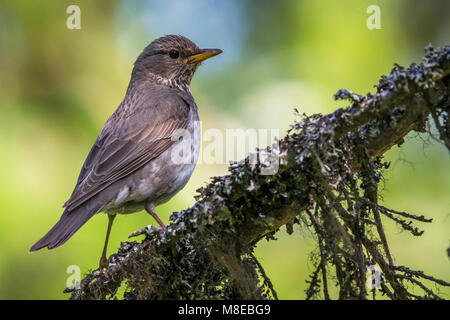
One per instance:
[(202, 55)]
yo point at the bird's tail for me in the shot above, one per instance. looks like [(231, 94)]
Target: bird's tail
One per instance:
[(65, 228)]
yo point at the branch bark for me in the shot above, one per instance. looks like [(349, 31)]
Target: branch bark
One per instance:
[(206, 252)]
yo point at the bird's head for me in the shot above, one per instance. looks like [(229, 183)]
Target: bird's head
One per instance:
[(171, 60)]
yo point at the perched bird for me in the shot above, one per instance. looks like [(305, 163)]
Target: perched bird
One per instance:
[(135, 162)]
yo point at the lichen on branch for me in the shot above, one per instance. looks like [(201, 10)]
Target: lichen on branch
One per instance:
[(330, 168)]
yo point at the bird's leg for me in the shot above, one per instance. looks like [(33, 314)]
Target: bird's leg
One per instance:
[(103, 261), (150, 208)]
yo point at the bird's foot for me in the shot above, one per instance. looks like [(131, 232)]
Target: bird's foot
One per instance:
[(104, 263), (147, 230)]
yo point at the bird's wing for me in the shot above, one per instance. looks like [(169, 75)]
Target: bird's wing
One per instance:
[(128, 142)]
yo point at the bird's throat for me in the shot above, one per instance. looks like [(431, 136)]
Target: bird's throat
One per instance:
[(177, 83)]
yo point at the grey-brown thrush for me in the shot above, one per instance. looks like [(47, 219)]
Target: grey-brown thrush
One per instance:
[(131, 165)]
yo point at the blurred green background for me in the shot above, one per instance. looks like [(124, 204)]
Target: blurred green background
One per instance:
[(58, 87)]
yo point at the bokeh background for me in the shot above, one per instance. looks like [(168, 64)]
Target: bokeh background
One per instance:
[(58, 87)]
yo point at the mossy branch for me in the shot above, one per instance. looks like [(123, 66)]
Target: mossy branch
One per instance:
[(330, 167)]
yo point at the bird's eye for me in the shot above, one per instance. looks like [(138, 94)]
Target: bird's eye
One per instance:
[(174, 54)]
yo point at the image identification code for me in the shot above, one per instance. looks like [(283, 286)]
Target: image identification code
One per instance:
[(226, 309)]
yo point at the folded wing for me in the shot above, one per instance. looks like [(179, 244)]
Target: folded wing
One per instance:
[(118, 153)]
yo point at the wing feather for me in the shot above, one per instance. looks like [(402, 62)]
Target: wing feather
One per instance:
[(118, 153)]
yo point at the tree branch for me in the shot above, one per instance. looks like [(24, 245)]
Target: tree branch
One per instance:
[(328, 161)]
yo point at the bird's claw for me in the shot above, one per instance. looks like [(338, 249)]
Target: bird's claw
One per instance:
[(147, 230), (104, 262)]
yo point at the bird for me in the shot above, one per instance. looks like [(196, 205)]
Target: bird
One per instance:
[(147, 149)]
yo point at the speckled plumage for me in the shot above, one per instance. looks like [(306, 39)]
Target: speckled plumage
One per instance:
[(131, 163), (159, 180)]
